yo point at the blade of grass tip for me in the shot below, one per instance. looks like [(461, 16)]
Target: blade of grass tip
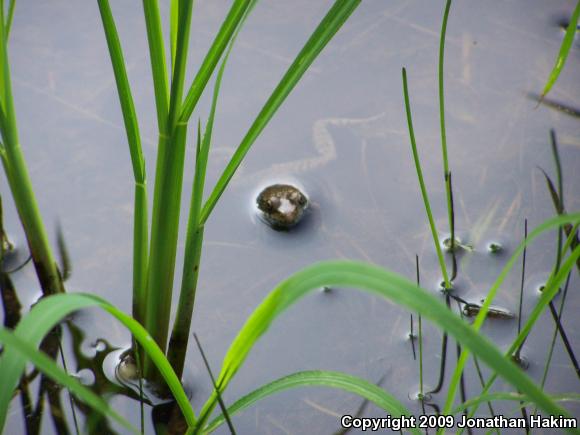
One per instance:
[(564, 51), (217, 392), (158, 65), (46, 365), (391, 286), (212, 57), (177, 348), (549, 292), (446, 173), (422, 183), (314, 378), (480, 318), (330, 24)]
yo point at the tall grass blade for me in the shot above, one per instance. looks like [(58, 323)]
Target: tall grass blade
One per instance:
[(158, 65), (422, 183), (446, 173), (385, 284), (46, 365), (327, 28), (564, 51), (194, 238), (140, 222), (316, 378), (19, 180)]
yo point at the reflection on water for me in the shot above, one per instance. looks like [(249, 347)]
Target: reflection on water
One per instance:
[(342, 136)]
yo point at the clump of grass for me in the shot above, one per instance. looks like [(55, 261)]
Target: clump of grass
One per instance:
[(154, 266)]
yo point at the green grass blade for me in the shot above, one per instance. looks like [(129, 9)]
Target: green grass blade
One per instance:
[(447, 176), (32, 328), (388, 285), (164, 235), (10, 17), (327, 28), (140, 224), (173, 21), (124, 91), (178, 70), (158, 65), (318, 378), (193, 242), (480, 318), (140, 251), (49, 312), (422, 183), (564, 51), (548, 294), (20, 183), (219, 44), (47, 366)]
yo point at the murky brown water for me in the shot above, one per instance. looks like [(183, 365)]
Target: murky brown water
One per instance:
[(341, 136)]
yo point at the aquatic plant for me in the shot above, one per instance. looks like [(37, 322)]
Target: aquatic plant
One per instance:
[(153, 267)]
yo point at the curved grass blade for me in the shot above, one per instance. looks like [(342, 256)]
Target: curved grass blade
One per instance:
[(46, 365), (49, 312), (327, 28), (383, 283), (564, 51), (422, 183), (319, 378)]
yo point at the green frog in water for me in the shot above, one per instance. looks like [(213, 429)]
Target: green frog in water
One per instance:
[(282, 206)]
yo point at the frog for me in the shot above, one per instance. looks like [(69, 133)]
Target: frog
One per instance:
[(282, 206)]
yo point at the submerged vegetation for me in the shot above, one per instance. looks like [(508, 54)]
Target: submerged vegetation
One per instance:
[(159, 348)]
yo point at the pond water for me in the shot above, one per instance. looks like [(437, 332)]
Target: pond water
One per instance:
[(342, 137)]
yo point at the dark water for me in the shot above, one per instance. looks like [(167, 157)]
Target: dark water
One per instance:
[(342, 136)]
